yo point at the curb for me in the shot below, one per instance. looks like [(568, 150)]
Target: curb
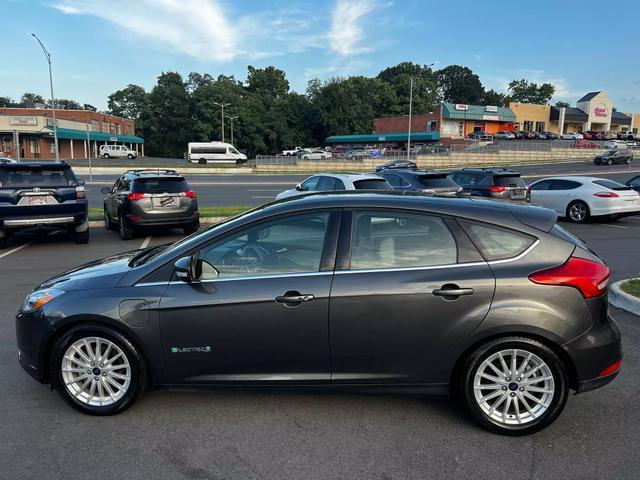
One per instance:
[(203, 221), (623, 300)]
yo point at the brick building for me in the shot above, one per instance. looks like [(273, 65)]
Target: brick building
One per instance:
[(34, 129)]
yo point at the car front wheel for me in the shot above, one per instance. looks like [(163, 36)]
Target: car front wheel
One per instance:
[(578, 211), (97, 370), (514, 385)]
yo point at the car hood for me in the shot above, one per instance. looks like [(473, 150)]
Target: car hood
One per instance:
[(104, 273)]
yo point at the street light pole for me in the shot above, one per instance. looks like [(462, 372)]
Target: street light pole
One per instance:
[(232, 118), (53, 100), (222, 105)]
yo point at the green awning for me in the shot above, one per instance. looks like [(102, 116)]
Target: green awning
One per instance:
[(384, 137), (71, 134), (458, 111)]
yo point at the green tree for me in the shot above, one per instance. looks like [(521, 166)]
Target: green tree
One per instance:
[(64, 103), (528, 92), (459, 84), (425, 88), (130, 102), (269, 82), (88, 106), (6, 102), (561, 104), (168, 120), (29, 99), (491, 97)]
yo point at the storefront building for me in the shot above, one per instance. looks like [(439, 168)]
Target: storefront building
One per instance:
[(460, 120), (80, 133)]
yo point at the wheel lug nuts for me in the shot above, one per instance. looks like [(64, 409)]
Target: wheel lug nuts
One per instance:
[(522, 389), (102, 366), (517, 379), (89, 372), (95, 379), (504, 388), (104, 374), (513, 394), (93, 364), (508, 379)]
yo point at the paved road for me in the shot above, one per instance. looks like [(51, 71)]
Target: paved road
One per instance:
[(255, 189), (252, 434)]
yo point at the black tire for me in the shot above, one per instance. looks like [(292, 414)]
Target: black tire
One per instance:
[(139, 375), (106, 155), (108, 224), (130, 157), (126, 232), (202, 161), (4, 241), (609, 162), (555, 406), (81, 237), (574, 218)]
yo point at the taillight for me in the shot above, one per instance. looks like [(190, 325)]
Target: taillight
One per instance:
[(606, 195), (135, 196), (190, 194), (589, 277), (496, 189), (80, 193)]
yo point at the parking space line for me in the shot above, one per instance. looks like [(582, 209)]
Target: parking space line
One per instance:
[(17, 249), (270, 196), (612, 226), (145, 244)]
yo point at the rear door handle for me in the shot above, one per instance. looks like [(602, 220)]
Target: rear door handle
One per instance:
[(452, 291)]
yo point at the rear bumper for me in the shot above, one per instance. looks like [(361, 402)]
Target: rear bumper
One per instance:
[(616, 208), (43, 221), (163, 221)]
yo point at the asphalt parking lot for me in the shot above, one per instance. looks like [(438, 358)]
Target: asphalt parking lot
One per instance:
[(254, 434)]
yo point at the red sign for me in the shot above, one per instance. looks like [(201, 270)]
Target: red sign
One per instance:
[(600, 111)]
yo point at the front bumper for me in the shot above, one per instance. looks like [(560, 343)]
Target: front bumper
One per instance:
[(33, 332)]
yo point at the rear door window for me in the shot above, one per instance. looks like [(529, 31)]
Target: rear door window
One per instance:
[(541, 185), (400, 240), (310, 184), (508, 181), (325, 184), (161, 185), (372, 184), (496, 243)]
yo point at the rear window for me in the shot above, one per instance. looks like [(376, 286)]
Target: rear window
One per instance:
[(372, 184), (161, 185), (38, 177), (508, 181), (497, 243), (610, 184), (436, 181)]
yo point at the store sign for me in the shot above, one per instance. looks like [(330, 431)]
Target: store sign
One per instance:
[(461, 106), (381, 139), (600, 111), (113, 139), (490, 108), (24, 121), (495, 118)]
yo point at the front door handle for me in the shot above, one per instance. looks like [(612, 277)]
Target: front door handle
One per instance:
[(451, 291), (294, 298)]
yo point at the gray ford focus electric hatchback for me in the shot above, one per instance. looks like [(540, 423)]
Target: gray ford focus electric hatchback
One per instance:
[(490, 301)]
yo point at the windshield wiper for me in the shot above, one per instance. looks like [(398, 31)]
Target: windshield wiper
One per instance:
[(145, 255)]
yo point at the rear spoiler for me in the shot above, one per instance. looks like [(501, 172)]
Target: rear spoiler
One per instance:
[(536, 217)]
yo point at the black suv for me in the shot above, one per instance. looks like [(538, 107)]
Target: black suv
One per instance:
[(425, 181), (491, 182), (150, 198), (38, 195)]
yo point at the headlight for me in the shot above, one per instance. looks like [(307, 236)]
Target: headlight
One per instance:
[(36, 300)]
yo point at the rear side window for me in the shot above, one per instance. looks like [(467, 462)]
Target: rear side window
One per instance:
[(400, 240), (372, 184), (436, 181), (508, 181), (161, 185), (564, 185), (466, 178), (497, 243), (610, 184), (37, 177), (560, 232), (325, 184)]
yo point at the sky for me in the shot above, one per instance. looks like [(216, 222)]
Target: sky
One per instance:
[(100, 46)]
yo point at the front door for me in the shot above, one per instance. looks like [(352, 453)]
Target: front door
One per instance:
[(260, 308), (408, 297)]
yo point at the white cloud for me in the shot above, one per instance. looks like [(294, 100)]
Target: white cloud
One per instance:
[(202, 29), (347, 28)]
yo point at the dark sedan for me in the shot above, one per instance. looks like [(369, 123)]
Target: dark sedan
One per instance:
[(490, 301), (618, 155)]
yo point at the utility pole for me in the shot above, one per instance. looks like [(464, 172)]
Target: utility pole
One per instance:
[(409, 132), (232, 118), (222, 105), (53, 100)]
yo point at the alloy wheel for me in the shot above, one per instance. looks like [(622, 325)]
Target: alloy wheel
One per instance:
[(514, 387), (578, 212), (96, 371)]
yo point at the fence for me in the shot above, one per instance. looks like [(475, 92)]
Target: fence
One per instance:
[(498, 153)]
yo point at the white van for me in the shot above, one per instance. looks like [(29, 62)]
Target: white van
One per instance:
[(214, 152), (117, 151)]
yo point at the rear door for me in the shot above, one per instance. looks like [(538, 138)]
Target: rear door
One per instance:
[(408, 288), (561, 193)]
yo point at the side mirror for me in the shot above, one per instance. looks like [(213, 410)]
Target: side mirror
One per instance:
[(81, 182), (189, 269), (299, 187), (105, 190)]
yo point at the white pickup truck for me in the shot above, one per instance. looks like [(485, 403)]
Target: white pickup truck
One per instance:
[(294, 152)]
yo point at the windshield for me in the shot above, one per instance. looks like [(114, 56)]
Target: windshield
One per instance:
[(37, 177), (508, 181)]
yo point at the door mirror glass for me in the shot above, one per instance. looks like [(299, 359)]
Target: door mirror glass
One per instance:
[(183, 269), (105, 190)]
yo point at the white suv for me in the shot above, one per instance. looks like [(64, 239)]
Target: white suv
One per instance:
[(114, 151), (329, 182)]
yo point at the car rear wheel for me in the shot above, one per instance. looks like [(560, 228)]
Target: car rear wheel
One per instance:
[(106, 155), (202, 161), (578, 211), (4, 241), (514, 385), (81, 237), (97, 370), (126, 233), (191, 229)]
